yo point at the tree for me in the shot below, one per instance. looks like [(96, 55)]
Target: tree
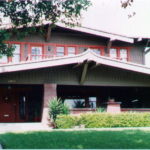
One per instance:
[(125, 4), (30, 13)]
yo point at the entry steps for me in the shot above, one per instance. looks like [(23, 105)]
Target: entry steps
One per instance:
[(17, 127)]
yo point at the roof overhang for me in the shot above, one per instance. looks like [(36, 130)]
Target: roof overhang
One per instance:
[(98, 33), (80, 58), (82, 29)]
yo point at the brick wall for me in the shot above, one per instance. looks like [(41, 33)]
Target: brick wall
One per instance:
[(113, 107), (49, 92)]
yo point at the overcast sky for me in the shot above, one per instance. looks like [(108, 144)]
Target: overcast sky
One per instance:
[(108, 15)]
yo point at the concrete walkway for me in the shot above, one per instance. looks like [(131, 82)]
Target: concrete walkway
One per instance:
[(106, 129), (18, 127)]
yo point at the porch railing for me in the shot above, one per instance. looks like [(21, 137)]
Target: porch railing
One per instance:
[(40, 57), (46, 56)]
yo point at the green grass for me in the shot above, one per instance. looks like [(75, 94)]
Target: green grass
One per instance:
[(89, 139)]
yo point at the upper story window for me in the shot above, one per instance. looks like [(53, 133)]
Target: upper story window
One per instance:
[(120, 54), (4, 59), (36, 52), (97, 51), (123, 54), (113, 53), (16, 54), (71, 51), (60, 51)]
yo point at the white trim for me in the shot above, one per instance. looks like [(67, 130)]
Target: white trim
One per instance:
[(66, 60), (98, 33)]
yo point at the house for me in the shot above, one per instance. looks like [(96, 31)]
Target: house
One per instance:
[(83, 66)]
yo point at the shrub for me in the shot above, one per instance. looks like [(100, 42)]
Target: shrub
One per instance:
[(56, 107), (65, 109), (67, 121), (100, 109), (101, 120)]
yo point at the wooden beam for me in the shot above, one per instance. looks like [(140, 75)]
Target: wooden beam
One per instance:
[(147, 50), (88, 61), (84, 73), (95, 65), (109, 45), (48, 33), (77, 65)]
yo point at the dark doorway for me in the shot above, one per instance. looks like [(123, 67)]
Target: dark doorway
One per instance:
[(20, 103)]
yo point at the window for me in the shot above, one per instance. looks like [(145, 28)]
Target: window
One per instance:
[(71, 51), (16, 54), (123, 54), (92, 102), (75, 103), (113, 53), (119, 53), (36, 53), (60, 51), (97, 51), (4, 58)]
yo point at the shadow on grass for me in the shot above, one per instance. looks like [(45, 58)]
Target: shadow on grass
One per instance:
[(89, 139)]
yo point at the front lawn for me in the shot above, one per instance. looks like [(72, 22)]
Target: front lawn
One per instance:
[(89, 139)]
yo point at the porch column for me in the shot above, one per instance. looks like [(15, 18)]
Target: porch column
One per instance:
[(49, 92), (113, 107)]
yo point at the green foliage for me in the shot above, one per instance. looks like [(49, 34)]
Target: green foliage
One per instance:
[(30, 13), (67, 121), (89, 139), (100, 110), (101, 120), (56, 107), (4, 49), (79, 104), (65, 109)]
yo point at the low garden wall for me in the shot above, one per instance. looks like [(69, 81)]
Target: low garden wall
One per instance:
[(82, 110), (135, 110)]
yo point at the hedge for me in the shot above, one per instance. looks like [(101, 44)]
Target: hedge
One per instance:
[(67, 121), (101, 120)]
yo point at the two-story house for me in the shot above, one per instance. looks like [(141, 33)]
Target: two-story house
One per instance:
[(83, 66)]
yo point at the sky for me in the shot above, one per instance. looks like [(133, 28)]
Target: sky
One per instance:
[(108, 15)]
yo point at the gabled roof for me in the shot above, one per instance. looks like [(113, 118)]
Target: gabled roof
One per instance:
[(98, 33), (111, 36), (77, 59)]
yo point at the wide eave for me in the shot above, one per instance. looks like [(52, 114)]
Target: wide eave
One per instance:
[(87, 56)]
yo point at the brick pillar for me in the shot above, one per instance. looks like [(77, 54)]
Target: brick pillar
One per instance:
[(49, 92), (113, 107)]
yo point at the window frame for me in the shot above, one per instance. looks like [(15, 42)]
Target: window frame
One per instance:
[(99, 48), (65, 49), (21, 50), (56, 50), (118, 53), (72, 53), (16, 53), (36, 46)]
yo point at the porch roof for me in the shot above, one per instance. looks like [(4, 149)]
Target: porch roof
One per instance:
[(78, 59)]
